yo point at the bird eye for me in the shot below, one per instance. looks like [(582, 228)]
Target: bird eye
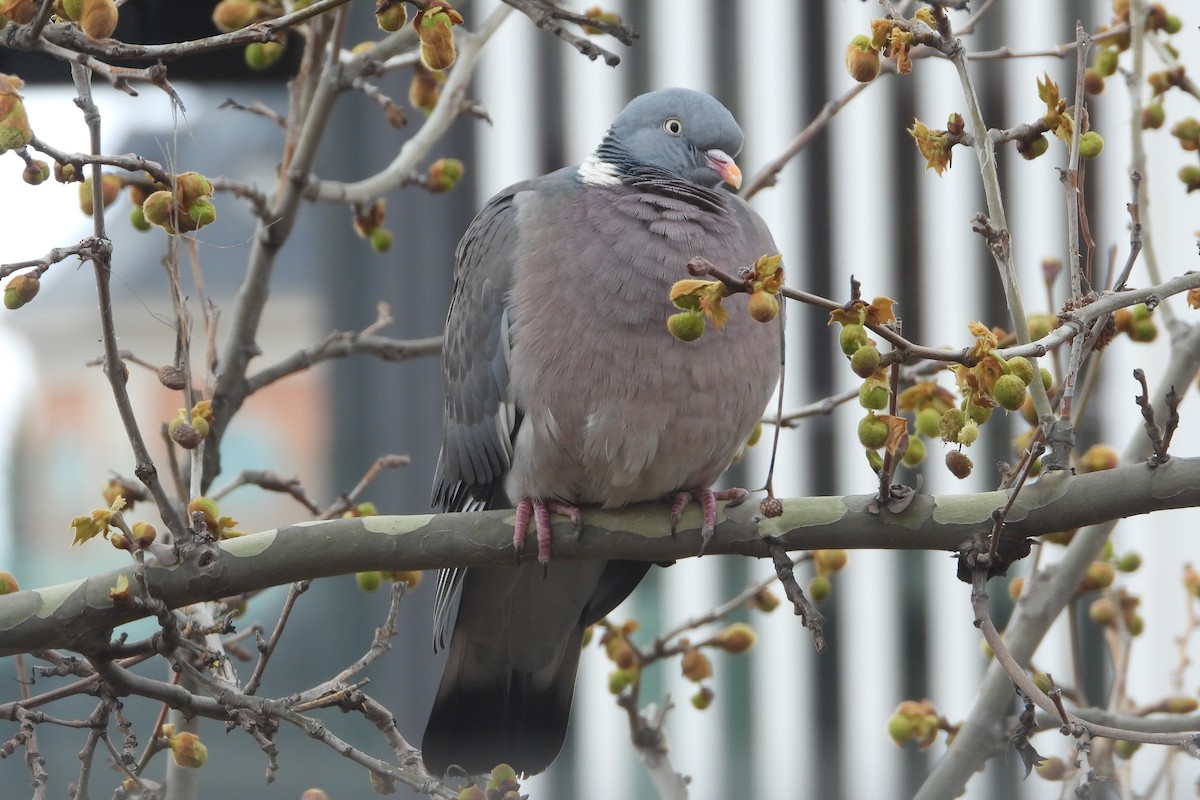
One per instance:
[(673, 126)]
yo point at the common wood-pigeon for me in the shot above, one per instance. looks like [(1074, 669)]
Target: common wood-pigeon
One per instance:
[(565, 388)]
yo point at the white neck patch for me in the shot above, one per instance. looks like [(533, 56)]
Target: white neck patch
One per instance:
[(595, 172)]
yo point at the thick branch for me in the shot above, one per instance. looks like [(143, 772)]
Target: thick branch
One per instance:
[(79, 615)]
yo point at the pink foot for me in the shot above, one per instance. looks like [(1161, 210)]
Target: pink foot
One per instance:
[(708, 507), (540, 510)]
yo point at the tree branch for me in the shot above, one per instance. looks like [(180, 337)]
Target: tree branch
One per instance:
[(80, 615)]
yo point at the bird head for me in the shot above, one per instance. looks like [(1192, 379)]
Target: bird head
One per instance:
[(681, 131)]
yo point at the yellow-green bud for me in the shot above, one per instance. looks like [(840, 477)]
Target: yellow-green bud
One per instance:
[(862, 61), (98, 18), (20, 289), (928, 420), (865, 361), (261, 55), (1009, 392), (1090, 145), (686, 326), (872, 431), (851, 338), (873, 395), (390, 16), (915, 453)]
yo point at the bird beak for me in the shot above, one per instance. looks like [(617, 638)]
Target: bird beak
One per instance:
[(723, 165)]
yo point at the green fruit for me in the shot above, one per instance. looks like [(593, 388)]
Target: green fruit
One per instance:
[(261, 55), (851, 338), (1009, 392), (915, 453), (1022, 367), (1106, 61), (819, 588), (978, 414), (686, 326), (872, 431), (927, 422), (1090, 145), (138, 219), (900, 727), (873, 396), (1143, 330), (865, 361), (1033, 148), (1129, 562), (1153, 116), (1047, 378), (381, 240)]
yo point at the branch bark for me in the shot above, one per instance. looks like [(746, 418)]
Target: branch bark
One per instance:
[(80, 616)]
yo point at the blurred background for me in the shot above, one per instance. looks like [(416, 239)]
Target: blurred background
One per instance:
[(857, 201)]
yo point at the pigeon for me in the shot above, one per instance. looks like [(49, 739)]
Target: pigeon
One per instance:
[(564, 388)]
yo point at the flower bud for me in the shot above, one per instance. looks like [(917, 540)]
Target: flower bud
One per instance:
[(872, 431), (110, 190), (927, 422), (696, 666), (763, 306), (8, 584), (261, 55), (1099, 575), (444, 174), (1009, 392), (1032, 148), (851, 338), (232, 15), (381, 239), (686, 326), (1153, 116), (14, 124), (915, 453), (144, 534), (828, 561), (159, 210), (865, 361), (765, 601), (20, 290), (98, 19), (1090, 145), (435, 27), (1098, 458), (390, 15), (36, 173), (737, 638), (862, 61), (19, 11), (369, 581), (873, 395), (187, 750)]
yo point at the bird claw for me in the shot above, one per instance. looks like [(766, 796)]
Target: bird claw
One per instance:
[(707, 499), (539, 511)]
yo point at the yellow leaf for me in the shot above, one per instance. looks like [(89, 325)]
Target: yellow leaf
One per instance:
[(880, 312), (120, 592)]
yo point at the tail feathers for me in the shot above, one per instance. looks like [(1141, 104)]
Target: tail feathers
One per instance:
[(487, 712), (506, 692)]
